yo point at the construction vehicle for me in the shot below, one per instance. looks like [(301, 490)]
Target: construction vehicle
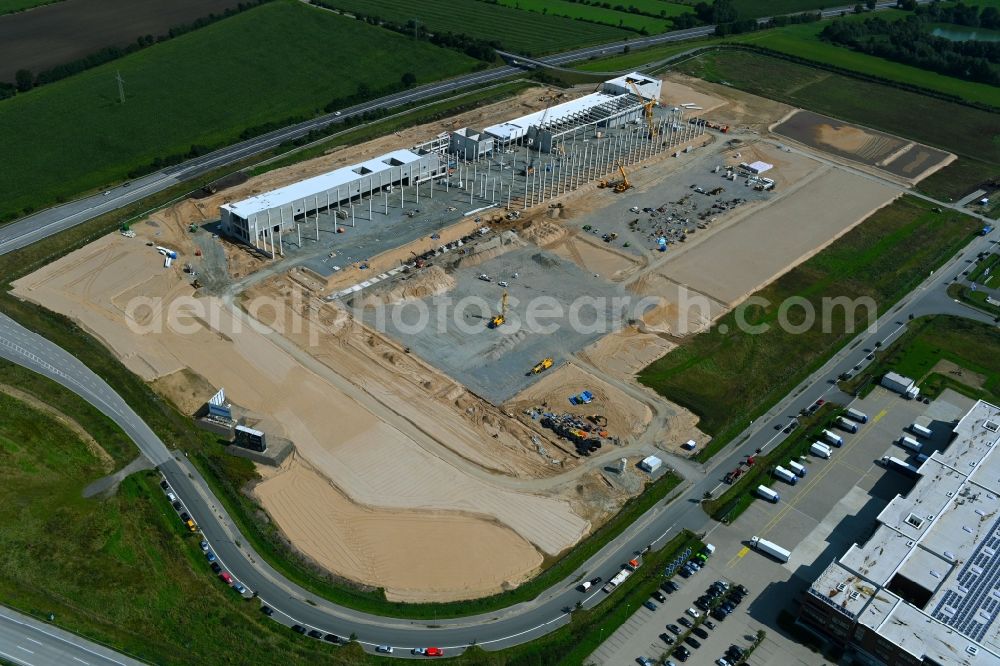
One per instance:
[(647, 107), (542, 366), (624, 184), (499, 319)]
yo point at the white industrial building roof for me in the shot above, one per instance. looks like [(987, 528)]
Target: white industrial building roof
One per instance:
[(327, 181), (512, 130), (943, 537)]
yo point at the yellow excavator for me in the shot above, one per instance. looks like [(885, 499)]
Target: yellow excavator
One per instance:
[(647, 107), (623, 184), (499, 319), (545, 364)]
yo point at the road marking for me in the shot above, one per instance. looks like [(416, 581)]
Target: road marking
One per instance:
[(878, 417), (24, 648), (15, 659), (81, 660), (32, 640), (743, 551)]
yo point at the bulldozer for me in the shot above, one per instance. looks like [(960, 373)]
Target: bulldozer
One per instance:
[(497, 320), (544, 365)]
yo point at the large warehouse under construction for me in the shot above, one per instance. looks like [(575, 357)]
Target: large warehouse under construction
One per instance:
[(261, 219)]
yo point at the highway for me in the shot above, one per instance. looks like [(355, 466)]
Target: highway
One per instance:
[(29, 642)]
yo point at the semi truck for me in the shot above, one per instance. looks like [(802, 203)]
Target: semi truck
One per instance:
[(785, 475), (768, 494), (799, 469), (921, 431), (910, 444), (772, 549), (856, 415), (617, 580), (904, 468), (820, 450), (833, 438), (846, 425)]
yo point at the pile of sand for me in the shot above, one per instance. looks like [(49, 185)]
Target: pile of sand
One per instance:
[(423, 283), (543, 233)]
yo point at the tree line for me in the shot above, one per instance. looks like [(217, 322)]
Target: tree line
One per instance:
[(908, 41)]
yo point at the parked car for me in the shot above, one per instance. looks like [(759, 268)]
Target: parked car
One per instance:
[(673, 628), (700, 633), (216, 567), (709, 624), (659, 597), (239, 587), (210, 556), (667, 638), (299, 629), (719, 614), (721, 661), (267, 610), (684, 572), (164, 484), (693, 642), (672, 585), (645, 661), (226, 578), (315, 634), (204, 546), (332, 638), (384, 649), (177, 506), (686, 622), (693, 612), (434, 652), (681, 652), (650, 605)]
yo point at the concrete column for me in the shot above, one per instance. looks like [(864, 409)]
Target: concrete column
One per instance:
[(338, 199), (352, 216), (298, 229)]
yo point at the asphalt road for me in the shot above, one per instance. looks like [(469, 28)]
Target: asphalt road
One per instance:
[(28, 642), (50, 221)]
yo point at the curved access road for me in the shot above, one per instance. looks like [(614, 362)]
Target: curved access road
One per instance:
[(513, 625)]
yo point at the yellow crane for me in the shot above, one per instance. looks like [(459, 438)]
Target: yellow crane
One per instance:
[(624, 184), (647, 107), (499, 319)]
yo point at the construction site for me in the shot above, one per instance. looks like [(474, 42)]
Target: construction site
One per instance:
[(446, 322)]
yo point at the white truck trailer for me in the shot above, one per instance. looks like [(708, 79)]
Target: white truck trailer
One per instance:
[(768, 494), (904, 386), (846, 425), (820, 450), (770, 548), (799, 469), (856, 415), (921, 431), (617, 580), (786, 475), (910, 444), (901, 466), (833, 438)]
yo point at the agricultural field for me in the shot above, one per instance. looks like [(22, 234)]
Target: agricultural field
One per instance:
[(590, 13), (757, 9), (11, 6), (283, 61), (967, 132), (74, 29), (729, 378), (803, 41), (89, 560), (523, 32)]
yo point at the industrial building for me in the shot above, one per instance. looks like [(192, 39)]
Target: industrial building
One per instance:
[(925, 587), (260, 219)]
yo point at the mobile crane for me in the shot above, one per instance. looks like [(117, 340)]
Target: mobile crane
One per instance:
[(497, 320)]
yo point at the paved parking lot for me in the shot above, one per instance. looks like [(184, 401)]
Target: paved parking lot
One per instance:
[(833, 506)]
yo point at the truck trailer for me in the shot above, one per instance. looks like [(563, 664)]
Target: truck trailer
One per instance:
[(910, 444), (820, 450), (772, 549), (920, 431), (904, 468), (833, 438), (856, 415), (768, 494), (846, 425), (618, 579), (799, 469), (900, 384), (785, 475)]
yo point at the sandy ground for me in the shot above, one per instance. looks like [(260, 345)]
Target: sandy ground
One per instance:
[(370, 461), (727, 106), (611, 264), (399, 550), (678, 310), (775, 239), (624, 353), (626, 416)]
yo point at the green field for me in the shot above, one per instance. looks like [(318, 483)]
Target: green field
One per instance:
[(965, 131), (757, 9), (281, 61), (11, 6), (522, 32), (803, 41), (958, 178), (119, 570), (590, 13), (971, 345), (729, 377)]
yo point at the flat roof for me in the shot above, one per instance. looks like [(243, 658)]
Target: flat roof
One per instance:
[(511, 130), (321, 183), (944, 539)]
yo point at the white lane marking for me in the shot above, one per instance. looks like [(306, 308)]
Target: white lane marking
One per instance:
[(32, 640), (61, 639), (81, 660), (15, 659), (24, 648)]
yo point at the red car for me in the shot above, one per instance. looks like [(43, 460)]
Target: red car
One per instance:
[(434, 652), (227, 579)]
